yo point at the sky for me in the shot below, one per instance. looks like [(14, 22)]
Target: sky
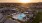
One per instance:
[(17, 1)]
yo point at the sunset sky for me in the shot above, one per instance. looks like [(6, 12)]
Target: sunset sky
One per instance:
[(18, 1)]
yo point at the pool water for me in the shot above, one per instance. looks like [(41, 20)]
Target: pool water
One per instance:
[(20, 16)]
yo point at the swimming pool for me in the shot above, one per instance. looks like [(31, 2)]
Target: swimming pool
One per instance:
[(20, 16)]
